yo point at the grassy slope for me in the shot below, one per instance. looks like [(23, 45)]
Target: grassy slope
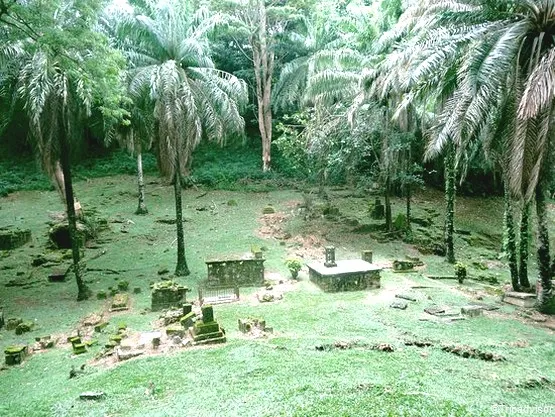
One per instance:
[(281, 376)]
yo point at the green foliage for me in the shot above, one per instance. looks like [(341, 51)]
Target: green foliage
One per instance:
[(460, 271), (123, 285), (294, 265)]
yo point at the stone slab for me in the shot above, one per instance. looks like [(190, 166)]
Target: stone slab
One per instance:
[(472, 311), (528, 302)]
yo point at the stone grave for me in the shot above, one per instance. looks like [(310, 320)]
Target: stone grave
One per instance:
[(247, 271), (167, 294), (15, 354), (345, 275), (207, 331), (14, 238)]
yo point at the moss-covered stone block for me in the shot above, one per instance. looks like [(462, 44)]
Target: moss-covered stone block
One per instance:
[(15, 354), (187, 308), (92, 342), (100, 326), (110, 344), (203, 327), (268, 210), (116, 338), (101, 295), (167, 294), (207, 313), (175, 331), (12, 239), (24, 327), (79, 348), (74, 340), (188, 320)]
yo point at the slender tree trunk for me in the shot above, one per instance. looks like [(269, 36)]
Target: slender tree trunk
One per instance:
[(181, 269), (524, 245), (450, 191), (141, 209), (387, 202), (83, 291), (545, 296), (263, 61), (510, 237), (409, 194)]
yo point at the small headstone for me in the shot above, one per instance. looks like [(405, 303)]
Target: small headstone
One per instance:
[(100, 326), (403, 266), (268, 210), (207, 313), (137, 290), (401, 305), (24, 327), (330, 257)]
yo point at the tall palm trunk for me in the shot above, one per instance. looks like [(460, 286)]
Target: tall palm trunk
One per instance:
[(523, 246), (181, 269), (141, 209), (83, 291), (450, 190), (510, 237), (545, 296)]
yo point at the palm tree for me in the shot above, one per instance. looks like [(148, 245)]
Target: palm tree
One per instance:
[(495, 59), (169, 54), (56, 102)]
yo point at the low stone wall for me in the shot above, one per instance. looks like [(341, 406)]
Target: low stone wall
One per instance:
[(235, 273)]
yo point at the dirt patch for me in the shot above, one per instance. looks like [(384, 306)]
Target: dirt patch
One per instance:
[(473, 353), (272, 226)]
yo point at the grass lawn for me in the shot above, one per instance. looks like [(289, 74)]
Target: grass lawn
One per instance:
[(283, 374)]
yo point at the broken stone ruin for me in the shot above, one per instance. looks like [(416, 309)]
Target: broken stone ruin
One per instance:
[(255, 327)]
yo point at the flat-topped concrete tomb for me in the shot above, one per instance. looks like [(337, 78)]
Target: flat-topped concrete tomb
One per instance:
[(346, 275)]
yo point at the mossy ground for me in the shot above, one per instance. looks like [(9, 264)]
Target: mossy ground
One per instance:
[(283, 375)]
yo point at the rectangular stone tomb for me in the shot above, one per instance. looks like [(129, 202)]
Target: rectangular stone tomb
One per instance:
[(240, 272), (348, 275), (520, 299)]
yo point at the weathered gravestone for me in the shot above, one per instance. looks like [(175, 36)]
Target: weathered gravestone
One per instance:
[(167, 294), (120, 302)]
